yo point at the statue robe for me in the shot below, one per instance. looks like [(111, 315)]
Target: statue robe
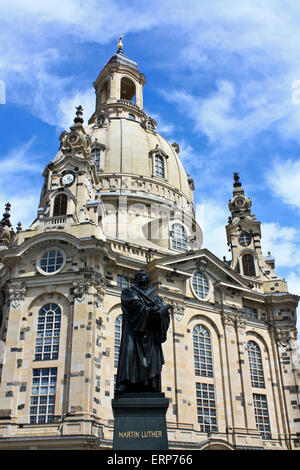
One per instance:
[(143, 330)]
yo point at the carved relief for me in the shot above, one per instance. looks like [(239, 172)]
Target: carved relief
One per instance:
[(233, 319), (80, 287), (228, 318), (16, 294), (285, 335), (177, 307), (240, 322)]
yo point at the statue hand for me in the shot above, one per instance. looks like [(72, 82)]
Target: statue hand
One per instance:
[(155, 313)]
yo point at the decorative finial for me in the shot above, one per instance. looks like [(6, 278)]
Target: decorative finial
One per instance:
[(79, 113), (5, 222), (19, 227), (120, 45), (237, 183)]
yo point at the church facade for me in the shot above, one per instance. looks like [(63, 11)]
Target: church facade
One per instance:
[(116, 199)]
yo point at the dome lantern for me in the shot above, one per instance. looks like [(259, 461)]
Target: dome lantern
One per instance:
[(120, 84)]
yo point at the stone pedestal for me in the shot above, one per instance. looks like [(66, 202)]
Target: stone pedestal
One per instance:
[(140, 421)]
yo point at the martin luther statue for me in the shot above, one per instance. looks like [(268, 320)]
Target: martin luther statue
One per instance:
[(144, 328)]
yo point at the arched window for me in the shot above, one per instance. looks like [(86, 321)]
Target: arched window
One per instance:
[(127, 89), (159, 166), (178, 237), (248, 265), (118, 330), (104, 93), (60, 205), (48, 330), (202, 352), (256, 366), (95, 157)]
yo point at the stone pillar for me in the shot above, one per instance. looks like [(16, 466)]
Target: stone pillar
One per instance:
[(10, 379), (88, 294), (234, 377), (250, 423)]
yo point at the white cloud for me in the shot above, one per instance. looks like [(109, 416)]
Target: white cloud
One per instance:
[(212, 218), (212, 116), (67, 105), (19, 160), (284, 244), (189, 156), (163, 127), (293, 280), (18, 170), (284, 180), (23, 207), (230, 40)]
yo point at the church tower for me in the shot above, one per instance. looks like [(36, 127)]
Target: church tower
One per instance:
[(116, 199), (244, 239)]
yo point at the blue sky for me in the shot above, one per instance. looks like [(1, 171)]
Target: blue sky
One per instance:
[(223, 80)]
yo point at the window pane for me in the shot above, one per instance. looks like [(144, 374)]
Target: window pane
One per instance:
[(200, 285), (256, 366), (178, 237), (206, 409), (51, 261), (159, 166), (117, 342), (42, 408), (202, 352), (46, 345), (95, 157), (262, 415)]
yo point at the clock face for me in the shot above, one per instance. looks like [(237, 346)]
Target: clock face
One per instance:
[(72, 139), (239, 202), (245, 239), (68, 179)]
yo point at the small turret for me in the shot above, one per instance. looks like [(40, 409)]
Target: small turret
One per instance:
[(239, 205)]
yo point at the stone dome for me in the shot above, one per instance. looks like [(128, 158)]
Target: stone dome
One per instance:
[(128, 150), (131, 160)]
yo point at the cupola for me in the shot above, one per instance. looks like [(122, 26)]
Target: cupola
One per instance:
[(120, 83)]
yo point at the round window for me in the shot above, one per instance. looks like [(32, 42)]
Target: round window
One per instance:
[(200, 285), (51, 261)]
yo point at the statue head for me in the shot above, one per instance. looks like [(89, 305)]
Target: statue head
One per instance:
[(142, 278)]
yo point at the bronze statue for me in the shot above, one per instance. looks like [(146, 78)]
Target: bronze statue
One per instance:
[(144, 327)]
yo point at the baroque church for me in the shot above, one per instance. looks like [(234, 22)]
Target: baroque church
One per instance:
[(116, 199)]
